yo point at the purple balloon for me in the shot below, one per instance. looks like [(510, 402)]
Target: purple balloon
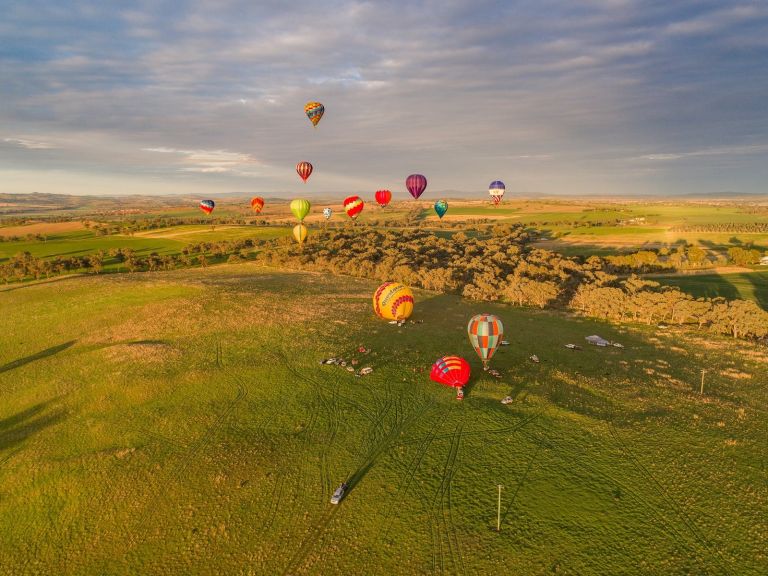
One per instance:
[(416, 183)]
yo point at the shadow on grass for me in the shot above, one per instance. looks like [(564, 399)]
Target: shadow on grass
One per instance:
[(17, 428), (37, 356)]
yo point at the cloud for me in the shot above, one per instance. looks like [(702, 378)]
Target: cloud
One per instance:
[(209, 161), (723, 151), (29, 143)]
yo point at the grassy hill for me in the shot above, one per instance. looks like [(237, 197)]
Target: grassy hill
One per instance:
[(179, 423)]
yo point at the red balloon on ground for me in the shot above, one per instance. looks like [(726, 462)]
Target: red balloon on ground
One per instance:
[(451, 371)]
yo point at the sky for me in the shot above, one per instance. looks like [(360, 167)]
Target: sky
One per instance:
[(551, 96)]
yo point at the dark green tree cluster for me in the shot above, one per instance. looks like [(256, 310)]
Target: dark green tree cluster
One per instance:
[(502, 266)]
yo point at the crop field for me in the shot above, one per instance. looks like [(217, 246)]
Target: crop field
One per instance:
[(83, 242), (744, 285), (180, 423)]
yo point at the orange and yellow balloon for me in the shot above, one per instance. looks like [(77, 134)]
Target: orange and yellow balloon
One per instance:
[(257, 204), (393, 301), (314, 111)]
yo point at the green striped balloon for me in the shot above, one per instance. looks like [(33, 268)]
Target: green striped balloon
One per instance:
[(300, 208)]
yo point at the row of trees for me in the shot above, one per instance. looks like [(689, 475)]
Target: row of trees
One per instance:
[(726, 227), (25, 238)]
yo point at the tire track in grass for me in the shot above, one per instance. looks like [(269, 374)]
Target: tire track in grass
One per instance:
[(378, 445), (176, 475), (512, 428), (411, 470), (444, 509), (670, 501), (331, 407), (667, 525)]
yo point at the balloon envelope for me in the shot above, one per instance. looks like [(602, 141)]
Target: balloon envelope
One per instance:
[(451, 371), (416, 184), (207, 206), (485, 332), (300, 233), (300, 208), (257, 204), (393, 301), (353, 206), (327, 212), (383, 197), (304, 169), (441, 207), (314, 111), (496, 190)]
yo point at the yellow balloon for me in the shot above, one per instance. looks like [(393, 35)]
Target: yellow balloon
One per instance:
[(300, 233), (393, 301)]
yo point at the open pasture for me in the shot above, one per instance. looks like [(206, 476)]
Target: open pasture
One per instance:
[(180, 423), (744, 285)]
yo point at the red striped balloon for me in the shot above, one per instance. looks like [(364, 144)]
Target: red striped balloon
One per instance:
[(353, 206), (383, 197), (450, 371), (304, 169)]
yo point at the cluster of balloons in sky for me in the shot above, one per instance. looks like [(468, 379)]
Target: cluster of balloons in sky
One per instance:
[(353, 205), (394, 301)]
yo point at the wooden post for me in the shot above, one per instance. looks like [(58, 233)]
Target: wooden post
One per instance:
[(701, 390), (498, 512)]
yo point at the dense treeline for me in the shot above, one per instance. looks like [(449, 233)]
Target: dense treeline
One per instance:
[(727, 227), (503, 267)]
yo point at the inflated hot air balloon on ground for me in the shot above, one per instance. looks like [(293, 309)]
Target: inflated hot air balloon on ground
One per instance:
[(304, 170), (441, 207), (327, 212), (416, 184), (353, 206), (485, 332), (393, 301), (451, 371), (207, 206), (257, 204), (383, 197), (496, 190), (300, 208), (300, 233), (314, 111)]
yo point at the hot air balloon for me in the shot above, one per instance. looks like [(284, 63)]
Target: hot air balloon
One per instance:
[(416, 183), (450, 371), (327, 212), (257, 204), (304, 169), (300, 208), (314, 111), (393, 301), (383, 197), (353, 206), (441, 207), (300, 233), (207, 206), (485, 333), (496, 190)]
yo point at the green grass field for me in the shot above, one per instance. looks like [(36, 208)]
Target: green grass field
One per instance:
[(745, 285), (179, 423)]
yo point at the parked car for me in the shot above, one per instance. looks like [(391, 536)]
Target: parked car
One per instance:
[(339, 493)]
